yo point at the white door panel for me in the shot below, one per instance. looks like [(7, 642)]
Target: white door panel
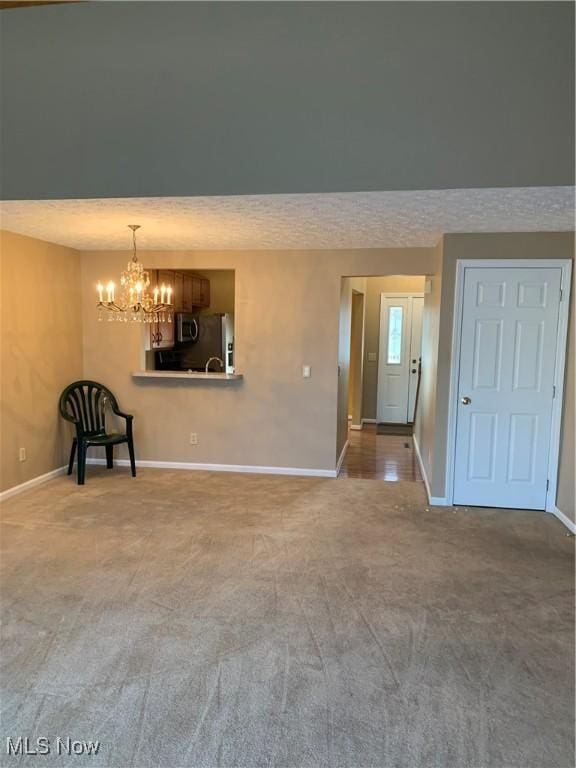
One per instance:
[(507, 359), (482, 447), (394, 386)]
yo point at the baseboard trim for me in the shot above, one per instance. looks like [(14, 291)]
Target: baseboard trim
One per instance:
[(434, 501), (369, 421), (421, 465), (246, 468), (564, 519), (357, 427), (341, 457), (438, 501), (16, 489)]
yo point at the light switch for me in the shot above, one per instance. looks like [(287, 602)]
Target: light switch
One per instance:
[(306, 371), (372, 357)]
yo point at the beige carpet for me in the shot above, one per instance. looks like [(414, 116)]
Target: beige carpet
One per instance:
[(199, 619)]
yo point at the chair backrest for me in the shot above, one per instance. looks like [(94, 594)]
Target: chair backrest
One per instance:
[(84, 403)]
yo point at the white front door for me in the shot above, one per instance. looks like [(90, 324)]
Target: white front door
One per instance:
[(400, 344), (506, 386)]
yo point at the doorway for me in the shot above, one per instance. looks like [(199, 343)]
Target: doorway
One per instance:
[(400, 350), (361, 451), (507, 382)]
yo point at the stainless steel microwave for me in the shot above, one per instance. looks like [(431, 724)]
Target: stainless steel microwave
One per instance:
[(186, 327)]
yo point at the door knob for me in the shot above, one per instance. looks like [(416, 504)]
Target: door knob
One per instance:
[(465, 400)]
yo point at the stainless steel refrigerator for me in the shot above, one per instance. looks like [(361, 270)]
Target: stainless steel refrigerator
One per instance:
[(215, 339)]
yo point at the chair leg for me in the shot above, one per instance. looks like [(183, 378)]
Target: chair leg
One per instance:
[(109, 456), (81, 463), (132, 459), (72, 454)]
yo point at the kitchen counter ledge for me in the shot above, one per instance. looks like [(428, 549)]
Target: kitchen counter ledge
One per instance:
[(194, 375)]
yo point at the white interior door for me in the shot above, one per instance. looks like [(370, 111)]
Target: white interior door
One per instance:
[(506, 386), (415, 352), (393, 359)]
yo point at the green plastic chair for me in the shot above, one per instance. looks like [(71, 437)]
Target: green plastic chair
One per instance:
[(84, 404)]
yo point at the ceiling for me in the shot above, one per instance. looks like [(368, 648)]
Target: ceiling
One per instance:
[(331, 221)]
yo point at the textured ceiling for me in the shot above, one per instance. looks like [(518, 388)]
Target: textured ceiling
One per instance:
[(348, 220)]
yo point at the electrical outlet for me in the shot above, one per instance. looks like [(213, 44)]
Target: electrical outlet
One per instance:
[(22, 454), (306, 371), (193, 438)]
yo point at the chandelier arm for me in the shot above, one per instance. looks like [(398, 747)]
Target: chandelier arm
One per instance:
[(110, 305)]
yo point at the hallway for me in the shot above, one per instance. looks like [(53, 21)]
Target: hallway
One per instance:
[(380, 457)]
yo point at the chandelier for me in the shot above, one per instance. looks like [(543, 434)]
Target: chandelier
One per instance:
[(134, 301)]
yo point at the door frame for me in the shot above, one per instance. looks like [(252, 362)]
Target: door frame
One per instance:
[(356, 372), (565, 265), (392, 295)]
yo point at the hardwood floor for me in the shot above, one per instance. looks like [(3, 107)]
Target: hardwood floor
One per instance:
[(380, 457)]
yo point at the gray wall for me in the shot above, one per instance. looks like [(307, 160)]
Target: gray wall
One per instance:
[(536, 245), (185, 98)]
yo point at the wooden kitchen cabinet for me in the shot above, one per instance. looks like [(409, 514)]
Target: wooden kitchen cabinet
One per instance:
[(187, 293), (162, 334), (178, 291), (197, 291), (205, 292), (200, 291)]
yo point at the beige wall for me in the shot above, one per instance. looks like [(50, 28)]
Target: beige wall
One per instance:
[(538, 245), (376, 286), (567, 470), (287, 314), (41, 353), (344, 326), (424, 429)]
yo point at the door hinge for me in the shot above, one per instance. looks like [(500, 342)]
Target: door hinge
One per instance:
[(561, 294), (553, 392), (547, 484)]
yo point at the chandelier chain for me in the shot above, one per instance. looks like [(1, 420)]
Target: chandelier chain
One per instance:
[(134, 227)]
